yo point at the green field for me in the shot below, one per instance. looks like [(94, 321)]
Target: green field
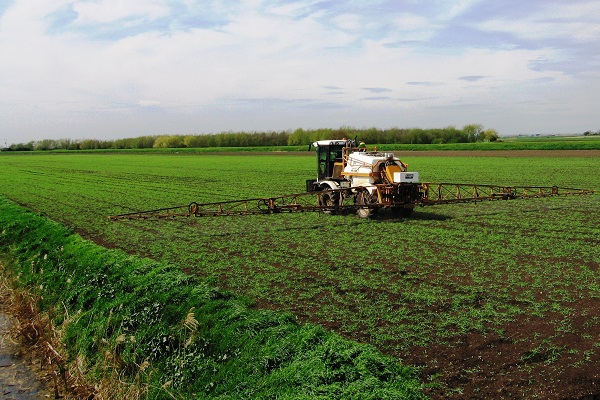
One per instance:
[(498, 298), (553, 138)]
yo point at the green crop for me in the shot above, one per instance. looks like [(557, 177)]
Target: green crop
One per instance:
[(523, 273)]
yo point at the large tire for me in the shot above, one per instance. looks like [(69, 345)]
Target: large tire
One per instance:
[(364, 198), (329, 200)]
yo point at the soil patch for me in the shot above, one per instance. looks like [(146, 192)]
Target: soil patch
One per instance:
[(515, 364)]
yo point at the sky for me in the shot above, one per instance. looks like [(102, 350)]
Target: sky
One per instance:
[(108, 69)]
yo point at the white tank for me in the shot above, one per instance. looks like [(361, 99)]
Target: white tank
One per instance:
[(363, 170)]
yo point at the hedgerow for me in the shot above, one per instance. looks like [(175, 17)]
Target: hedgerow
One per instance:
[(177, 336)]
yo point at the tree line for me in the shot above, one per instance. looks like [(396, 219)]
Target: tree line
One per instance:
[(469, 133)]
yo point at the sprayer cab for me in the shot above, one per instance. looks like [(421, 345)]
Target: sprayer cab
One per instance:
[(330, 157)]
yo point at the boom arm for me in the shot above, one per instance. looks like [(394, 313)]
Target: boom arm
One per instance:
[(432, 194)]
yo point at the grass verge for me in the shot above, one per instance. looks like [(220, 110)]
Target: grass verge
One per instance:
[(127, 323)]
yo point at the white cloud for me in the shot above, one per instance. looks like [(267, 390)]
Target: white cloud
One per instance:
[(348, 21), (452, 9), (291, 9), (413, 27), (106, 11), (564, 22), (411, 22), (149, 103)]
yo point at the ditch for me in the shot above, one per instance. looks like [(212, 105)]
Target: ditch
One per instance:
[(19, 377)]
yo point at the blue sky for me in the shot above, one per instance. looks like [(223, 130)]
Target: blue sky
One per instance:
[(107, 69)]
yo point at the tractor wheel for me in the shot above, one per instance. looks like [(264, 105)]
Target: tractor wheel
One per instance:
[(364, 198), (331, 200)]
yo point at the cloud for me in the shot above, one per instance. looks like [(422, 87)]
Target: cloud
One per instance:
[(454, 9), (376, 98), (149, 103), (350, 22), (377, 90), (472, 78), (130, 11), (67, 64), (569, 21), (426, 83), (415, 99)]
